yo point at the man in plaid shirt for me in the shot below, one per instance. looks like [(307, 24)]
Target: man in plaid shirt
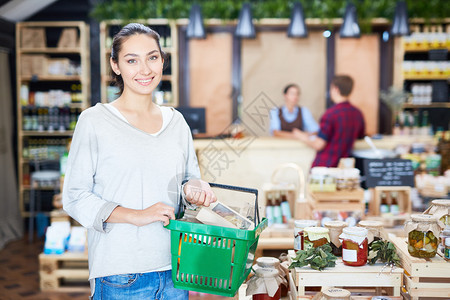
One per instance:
[(340, 126)]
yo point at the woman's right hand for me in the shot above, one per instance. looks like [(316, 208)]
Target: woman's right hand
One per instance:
[(157, 212)]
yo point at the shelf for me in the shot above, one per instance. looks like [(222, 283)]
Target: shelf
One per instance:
[(51, 50), (47, 133), (416, 50), (51, 78), (426, 77), (431, 105)]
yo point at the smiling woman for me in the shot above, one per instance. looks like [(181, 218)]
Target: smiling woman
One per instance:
[(126, 166)]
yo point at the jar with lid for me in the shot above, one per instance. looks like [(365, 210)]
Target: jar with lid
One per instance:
[(335, 294), (447, 249), (440, 208), (354, 246), (321, 181), (265, 285), (299, 226), (374, 229), (423, 231), (315, 237), (274, 263), (335, 229)]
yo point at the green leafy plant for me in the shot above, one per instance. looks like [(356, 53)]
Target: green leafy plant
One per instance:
[(383, 251), (318, 258)]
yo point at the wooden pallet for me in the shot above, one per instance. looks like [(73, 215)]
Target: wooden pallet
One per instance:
[(372, 276), (423, 278), (339, 200), (67, 272)]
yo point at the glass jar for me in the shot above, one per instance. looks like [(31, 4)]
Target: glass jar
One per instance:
[(299, 227), (447, 249), (347, 179), (440, 208), (321, 181), (335, 230), (374, 229), (264, 284), (315, 237), (335, 294), (423, 231), (274, 263), (354, 246)]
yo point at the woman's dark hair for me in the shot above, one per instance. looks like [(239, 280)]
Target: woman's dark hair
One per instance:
[(344, 84), (286, 89), (123, 35)]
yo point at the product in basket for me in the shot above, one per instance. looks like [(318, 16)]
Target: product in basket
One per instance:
[(221, 215)]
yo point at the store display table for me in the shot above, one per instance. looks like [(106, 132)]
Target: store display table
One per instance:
[(376, 276)]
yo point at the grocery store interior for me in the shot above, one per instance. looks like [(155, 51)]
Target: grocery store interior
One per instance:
[(321, 126)]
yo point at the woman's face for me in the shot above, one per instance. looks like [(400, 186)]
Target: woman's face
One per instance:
[(140, 64), (292, 96)]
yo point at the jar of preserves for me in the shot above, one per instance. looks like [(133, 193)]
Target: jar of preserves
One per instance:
[(374, 229), (423, 231), (354, 246), (265, 285), (321, 181), (335, 230), (299, 227), (335, 294), (274, 263), (440, 208), (315, 237)]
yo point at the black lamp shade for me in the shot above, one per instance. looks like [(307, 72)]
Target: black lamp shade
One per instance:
[(350, 27), (400, 25), (297, 27), (195, 28), (245, 27)]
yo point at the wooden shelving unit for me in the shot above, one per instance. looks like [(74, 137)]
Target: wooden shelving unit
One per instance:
[(110, 27), (42, 47)]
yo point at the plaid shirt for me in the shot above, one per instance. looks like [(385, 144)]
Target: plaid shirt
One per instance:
[(340, 126)]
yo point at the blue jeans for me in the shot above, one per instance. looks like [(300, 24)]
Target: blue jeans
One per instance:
[(153, 285)]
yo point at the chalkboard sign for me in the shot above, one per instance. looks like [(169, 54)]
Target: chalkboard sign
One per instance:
[(388, 172)]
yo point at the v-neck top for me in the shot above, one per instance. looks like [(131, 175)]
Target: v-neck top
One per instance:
[(167, 114)]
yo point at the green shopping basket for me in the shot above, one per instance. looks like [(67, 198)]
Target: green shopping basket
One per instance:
[(213, 259)]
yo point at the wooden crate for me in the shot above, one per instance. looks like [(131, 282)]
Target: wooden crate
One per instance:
[(423, 278), (67, 272), (404, 198), (339, 200), (372, 276)]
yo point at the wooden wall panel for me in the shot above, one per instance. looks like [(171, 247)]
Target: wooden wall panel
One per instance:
[(271, 61), (360, 58), (210, 63)]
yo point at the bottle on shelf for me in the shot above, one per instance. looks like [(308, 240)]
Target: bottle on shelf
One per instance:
[(406, 124), (397, 129), (285, 208), (278, 215), (394, 207), (269, 209), (426, 128), (384, 207), (415, 128)]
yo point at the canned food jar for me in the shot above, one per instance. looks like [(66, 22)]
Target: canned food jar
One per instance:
[(335, 229), (374, 229), (315, 237), (299, 227), (274, 263), (263, 282), (423, 231), (335, 294), (354, 246), (440, 208)]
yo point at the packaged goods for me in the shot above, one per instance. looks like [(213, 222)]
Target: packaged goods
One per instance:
[(299, 228), (335, 229), (423, 231), (374, 229), (440, 208), (354, 246), (315, 237)]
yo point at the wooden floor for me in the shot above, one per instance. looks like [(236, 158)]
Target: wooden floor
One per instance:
[(19, 275)]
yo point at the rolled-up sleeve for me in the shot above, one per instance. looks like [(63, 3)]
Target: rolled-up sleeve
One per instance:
[(79, 200)]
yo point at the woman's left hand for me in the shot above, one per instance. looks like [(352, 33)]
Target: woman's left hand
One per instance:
[(199, 192)]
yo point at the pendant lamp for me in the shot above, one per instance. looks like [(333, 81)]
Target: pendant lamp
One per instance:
[(400, 25), (245, 27), (297, 27), (350, 27), (195, 28)]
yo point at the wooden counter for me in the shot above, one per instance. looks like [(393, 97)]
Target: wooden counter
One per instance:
[(251, 161)]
